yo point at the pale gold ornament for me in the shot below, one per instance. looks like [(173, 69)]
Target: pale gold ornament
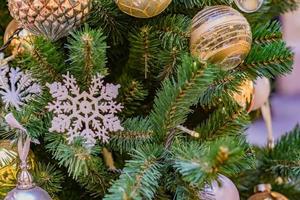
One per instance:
[(220, 35), (143, 8), (245, 95), (20, 41), (263, 192), (10, 30), (249, 6), (52, 18)]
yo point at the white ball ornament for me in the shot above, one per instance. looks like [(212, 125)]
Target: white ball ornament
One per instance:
[(223, 189), (262, 90)]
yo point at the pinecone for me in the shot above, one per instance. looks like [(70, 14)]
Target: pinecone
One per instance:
[(52, 18)]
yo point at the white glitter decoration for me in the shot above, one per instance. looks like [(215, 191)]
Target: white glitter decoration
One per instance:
[(16, 87), (90, 115)]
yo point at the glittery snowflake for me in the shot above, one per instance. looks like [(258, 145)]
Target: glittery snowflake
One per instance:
[(89, 115), (16, 87)]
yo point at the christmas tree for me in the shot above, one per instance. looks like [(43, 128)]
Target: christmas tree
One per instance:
[(142, 99)]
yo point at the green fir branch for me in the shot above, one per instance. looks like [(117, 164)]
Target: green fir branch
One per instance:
[(107, 15), (144, 48), (136, 134), (140, 177), (87, 54), (269, 60), (267, 33), (200, 164), (174, 31), (222, 122), (43, 59), (48, 178), (172, 103)]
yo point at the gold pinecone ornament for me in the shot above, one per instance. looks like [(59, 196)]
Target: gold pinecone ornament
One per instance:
[(52, 18), (264, 192)]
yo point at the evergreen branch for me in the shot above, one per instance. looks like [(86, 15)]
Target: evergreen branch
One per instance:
[(140, 176), (173, 101), (97, 180), (269, 60), (107, 15), (200, 164), (87, 54), (48, 178), (132, 94), (284, 159), (267, 33), (221, 90), (144, 48), (137, 133), (74, 157), (223, 122), (167, 61), (173, 30), (279, 7), (44, 60)]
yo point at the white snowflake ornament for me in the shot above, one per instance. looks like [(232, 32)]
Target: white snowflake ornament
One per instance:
[(90, 115), (16, 87)]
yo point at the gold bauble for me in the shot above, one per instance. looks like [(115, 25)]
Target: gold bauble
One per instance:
[(220, 35), (52, 18), (10, 29), (143, 8), (263, 192), (244, 96), (20, 41), (249, 6)]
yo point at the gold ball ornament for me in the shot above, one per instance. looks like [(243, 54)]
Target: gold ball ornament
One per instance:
[(20, 41), (220, 35), (244, 96), (249, 6), (263, 192), (51, 18), (143, 8), (10, 29)]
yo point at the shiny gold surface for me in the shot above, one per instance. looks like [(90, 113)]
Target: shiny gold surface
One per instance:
[(143, 8), (267, 196), (245, 95), (220, 35)]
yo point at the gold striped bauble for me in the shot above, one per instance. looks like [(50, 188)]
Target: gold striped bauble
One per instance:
[(143, 8), (220, 35)]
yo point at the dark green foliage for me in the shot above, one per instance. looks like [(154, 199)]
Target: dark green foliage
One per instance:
[(140, 176), (87, 55), (37, 60), (48, 177), (162, 87), (278, 166), (200, 164), (137, 133)]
